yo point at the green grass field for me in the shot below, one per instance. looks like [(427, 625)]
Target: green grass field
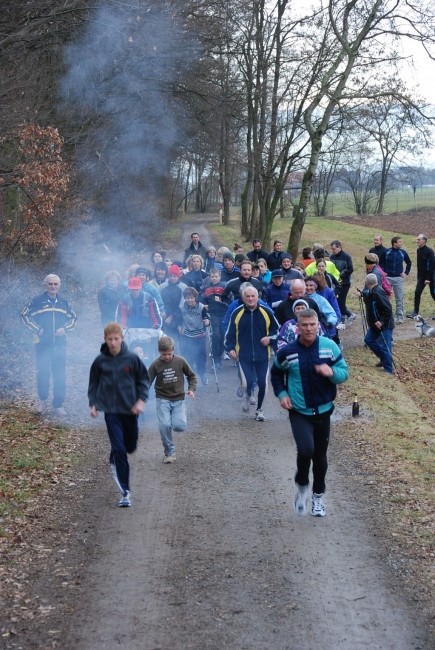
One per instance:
[(340, 203)]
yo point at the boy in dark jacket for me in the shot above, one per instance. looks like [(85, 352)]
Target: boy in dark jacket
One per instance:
[(119, 386), (212, 299)]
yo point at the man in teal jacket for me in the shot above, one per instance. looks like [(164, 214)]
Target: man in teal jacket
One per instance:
[(304, 378)]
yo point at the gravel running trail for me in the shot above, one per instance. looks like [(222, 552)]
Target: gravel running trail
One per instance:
[(211, 555)]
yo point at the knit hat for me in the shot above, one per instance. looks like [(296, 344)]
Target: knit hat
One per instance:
[(227, 256), (134, 283), (277, 273), (174, 270), (141, 269), (286, 255), (299, 301)]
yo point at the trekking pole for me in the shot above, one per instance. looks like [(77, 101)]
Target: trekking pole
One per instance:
[(212, 359), (363, 316)]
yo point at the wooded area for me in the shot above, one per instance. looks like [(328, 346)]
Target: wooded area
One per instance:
[(130, 114)]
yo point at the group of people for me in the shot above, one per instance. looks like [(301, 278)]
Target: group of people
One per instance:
[(253, 307)]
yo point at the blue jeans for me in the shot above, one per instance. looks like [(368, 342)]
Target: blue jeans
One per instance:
[(380, 343), (171, 415)]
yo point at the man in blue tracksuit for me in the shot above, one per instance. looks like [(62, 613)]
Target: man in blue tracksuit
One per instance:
[(392, 263), (304, 378), (50, 318), (251, 329)]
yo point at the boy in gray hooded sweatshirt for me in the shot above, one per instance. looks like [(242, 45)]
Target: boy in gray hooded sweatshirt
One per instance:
[(192, 330)]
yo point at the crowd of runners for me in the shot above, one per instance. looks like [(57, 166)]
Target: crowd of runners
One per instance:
[(250, 308)]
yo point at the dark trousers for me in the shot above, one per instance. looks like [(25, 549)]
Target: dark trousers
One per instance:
[(217, 337), (123, 434), (419, 290), (342, 301), (51, 359), (311, 434), (194, 351), (249, 371)]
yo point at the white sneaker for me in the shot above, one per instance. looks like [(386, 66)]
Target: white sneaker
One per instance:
[(59, 412), (259, 415), (226, 356), (40, 408), (169, 459), (317, 505), (350, 319), (301, 499), (252, 400), (245, 402), (341, 326), (124, 501)]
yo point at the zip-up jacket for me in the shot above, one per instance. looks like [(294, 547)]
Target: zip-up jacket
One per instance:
[(378, 308), (425, 262), (344, 264), (117, 382), (216, 308), (275, 295), (293, 373), (284, 311), (142, 312), (253, 256), (330, 268), (231, 307), (226, 276), (48, 314), (245, 330), (392, 262), (232, 288), (274, 259), (191, 250), (108, 299)]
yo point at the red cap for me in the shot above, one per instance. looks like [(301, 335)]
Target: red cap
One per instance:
[(134, 283), (174, 270)]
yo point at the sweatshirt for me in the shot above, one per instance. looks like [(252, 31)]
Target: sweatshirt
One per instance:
[(169, 376), (116, 382)]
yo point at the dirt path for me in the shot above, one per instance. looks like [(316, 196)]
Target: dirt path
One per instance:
[(211, 555)]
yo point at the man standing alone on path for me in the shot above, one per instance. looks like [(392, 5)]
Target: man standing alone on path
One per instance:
[(392, 262), (344, 264), (425, 272), (195, 248), (378, 247), (304, 378), (50, 318), (380, 322)]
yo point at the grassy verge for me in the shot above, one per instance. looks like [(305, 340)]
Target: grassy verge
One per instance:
[(33, 452), (394, 446)]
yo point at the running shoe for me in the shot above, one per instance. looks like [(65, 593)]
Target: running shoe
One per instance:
[(341, 326), (350, 319), (317, 505), (40, 408), (413, 314), (252, 400), (204, 380), (59, 412), (169, 459), (124, 501), (301, 499), (245, 402), (259, 415), (226, 356), (239, 392)]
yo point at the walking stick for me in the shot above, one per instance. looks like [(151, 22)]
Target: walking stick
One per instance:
[(363, 315), (212, 358)]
